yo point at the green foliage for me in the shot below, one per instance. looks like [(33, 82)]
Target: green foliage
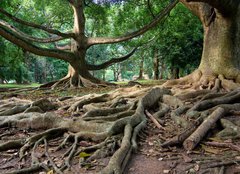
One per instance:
[(181, 39), (178, 39)]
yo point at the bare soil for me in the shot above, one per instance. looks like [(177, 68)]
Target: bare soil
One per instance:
[(150, 158)]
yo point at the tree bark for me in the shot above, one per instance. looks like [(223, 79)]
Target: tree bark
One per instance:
[(162, 70), (141, 69), (156, 65), (221, 47), (221, 55)]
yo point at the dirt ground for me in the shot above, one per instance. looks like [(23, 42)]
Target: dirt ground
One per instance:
[(150, 158)]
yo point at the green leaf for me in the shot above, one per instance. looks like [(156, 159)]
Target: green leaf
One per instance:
[(84, 155)]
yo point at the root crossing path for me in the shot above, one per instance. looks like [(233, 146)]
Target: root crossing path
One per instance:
[(98, 133)]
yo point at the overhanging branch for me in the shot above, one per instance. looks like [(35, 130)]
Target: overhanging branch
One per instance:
[(12, 37), (33, 25), (159, 17), (28, 37), (110, 62)]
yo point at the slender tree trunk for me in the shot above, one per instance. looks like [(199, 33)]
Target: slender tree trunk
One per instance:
[(141, 68), (175, 73), (156, 65), (162, 70), (104, 75)]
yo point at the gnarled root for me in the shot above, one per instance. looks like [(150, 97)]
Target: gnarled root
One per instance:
[(199, 81), (123, 118), (109, 125)]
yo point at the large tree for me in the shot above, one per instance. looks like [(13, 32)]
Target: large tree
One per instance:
[(112, 121), (75, 53), (220, 57)]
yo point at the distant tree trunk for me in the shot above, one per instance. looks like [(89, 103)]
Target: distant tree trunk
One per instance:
[(141, 68), (93, 73), (36, 72), (156, 65), (162, 69), (174, 73), (104, 75)]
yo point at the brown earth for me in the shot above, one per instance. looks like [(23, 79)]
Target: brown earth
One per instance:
[(150, 158)]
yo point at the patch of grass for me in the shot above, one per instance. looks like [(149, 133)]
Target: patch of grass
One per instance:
[(14, 85)]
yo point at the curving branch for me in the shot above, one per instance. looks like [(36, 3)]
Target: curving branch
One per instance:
[(21, 42), (33, 25), (159, 17), (110, 62), (28, 37)]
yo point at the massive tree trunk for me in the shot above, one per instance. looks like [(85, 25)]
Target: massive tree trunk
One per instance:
[(221, 56)]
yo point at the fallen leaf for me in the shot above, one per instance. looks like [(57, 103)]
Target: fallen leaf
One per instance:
[(211, 149), (84, 155), (151, 151), (166, 171), (150, 143), (186, 158), (196, 167), (50, 172)]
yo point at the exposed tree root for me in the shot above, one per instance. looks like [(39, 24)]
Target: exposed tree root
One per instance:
[(110, 125), (199, 81), (70, 80), (123, 113)]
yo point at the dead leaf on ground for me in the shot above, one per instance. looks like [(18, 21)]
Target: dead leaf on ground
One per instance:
[(186, 158)]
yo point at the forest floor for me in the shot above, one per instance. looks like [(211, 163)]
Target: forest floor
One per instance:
[(150, 158)]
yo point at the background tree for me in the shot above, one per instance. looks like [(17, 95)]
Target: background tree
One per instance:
[(78, 73), (220, 57)]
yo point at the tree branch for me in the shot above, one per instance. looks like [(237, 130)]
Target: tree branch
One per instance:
[(110, 62), (21, 42), (63, 47), (150, 9), (28, 37), (159, 17), (30, 24)]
